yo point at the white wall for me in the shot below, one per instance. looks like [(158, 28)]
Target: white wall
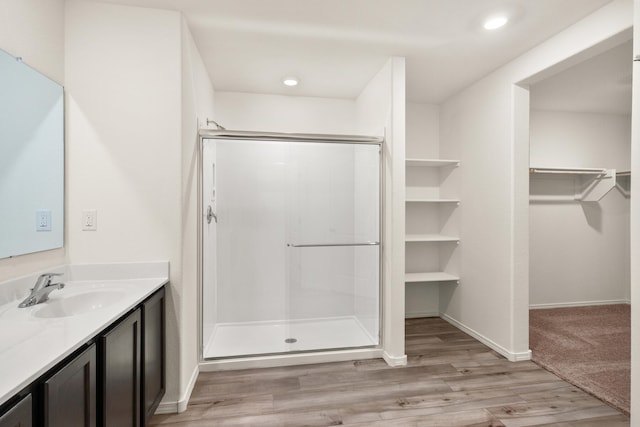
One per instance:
[(277, 113), (198, 103), (381, 110), (34, 30), (485, 124), (593, 238), (123, 79)]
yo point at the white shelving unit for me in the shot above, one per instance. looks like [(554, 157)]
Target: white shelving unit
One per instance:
[(416, 239)]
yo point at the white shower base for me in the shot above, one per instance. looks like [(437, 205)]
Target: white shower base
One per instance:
[(270, 337)]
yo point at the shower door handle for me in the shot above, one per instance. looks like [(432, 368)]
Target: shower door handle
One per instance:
[(211, 215), (328, 245)]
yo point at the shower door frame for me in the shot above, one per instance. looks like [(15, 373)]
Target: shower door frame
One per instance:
[(206, 134)]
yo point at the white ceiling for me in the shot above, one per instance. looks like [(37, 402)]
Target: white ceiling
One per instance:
[(601, 84), (335, 46)]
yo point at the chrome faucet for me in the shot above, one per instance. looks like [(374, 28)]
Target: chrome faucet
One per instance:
[(40, 292)]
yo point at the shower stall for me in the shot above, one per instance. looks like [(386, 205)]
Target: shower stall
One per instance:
[(290, 243)]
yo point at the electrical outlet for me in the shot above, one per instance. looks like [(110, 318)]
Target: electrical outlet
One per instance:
[(89, 220), (43, 220)]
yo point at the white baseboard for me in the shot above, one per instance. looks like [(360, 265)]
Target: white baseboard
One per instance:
[(418, 314), (513, 357), (394, 361), (578, 304), (172, 407)]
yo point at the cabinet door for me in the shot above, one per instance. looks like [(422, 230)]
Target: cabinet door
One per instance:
[(20, 415), (120, 374), (153, 354), (70, 394)]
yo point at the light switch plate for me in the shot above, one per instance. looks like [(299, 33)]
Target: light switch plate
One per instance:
[(43, 220), (89, 220)]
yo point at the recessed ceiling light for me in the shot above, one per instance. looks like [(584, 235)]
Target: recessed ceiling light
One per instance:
[(290, 81), (495, 22)]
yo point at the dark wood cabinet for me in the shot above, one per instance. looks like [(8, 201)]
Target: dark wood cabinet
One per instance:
[(20, 415), (69, 395), (119, 361), (153, 354), (116, 379)]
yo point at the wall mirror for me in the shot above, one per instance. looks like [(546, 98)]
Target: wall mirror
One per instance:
[(31, 160)]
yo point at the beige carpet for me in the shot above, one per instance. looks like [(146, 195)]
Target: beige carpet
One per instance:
[(589, 347)]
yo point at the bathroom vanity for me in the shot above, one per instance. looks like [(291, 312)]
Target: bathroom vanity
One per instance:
[(94, 354)]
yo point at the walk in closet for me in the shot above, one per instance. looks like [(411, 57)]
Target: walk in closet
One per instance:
[(580, 141)]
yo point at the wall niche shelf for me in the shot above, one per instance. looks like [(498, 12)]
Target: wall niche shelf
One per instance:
[(429, 231)]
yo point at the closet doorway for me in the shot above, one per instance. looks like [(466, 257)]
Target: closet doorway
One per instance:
[(579, 200)]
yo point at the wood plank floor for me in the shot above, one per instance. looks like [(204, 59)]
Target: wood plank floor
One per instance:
[(451, 380)]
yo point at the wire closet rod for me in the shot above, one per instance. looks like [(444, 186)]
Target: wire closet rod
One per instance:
[(577, 171), (281, 136)]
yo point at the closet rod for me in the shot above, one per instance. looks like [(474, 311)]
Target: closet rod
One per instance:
[(578, 171), (623, 173)]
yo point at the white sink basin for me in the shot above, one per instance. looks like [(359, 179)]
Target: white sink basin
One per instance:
[(78, 304)]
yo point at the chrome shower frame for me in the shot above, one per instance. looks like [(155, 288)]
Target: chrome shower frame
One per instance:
[(237, 362)]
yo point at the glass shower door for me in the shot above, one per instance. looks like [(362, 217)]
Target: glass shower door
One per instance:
[(333, 245), (292, 262)]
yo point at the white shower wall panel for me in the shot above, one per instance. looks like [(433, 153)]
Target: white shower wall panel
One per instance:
[(209, 230), (321, 188), (366, 273), (274, 199), (251, 247), (335, 201)]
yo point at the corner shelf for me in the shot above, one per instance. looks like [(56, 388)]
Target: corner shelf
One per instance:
[(430, 277)]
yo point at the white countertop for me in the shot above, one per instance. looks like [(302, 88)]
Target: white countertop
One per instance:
[(31, 345)]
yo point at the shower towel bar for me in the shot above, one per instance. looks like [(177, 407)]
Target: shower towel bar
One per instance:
[(323, 245)]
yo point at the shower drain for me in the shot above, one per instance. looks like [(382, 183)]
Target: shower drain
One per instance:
[(290, 340)]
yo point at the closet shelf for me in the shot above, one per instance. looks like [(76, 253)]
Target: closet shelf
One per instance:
[(623, 173), (432, 162), (430, 200), (430, 238), (430, 277), (568, 171)]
